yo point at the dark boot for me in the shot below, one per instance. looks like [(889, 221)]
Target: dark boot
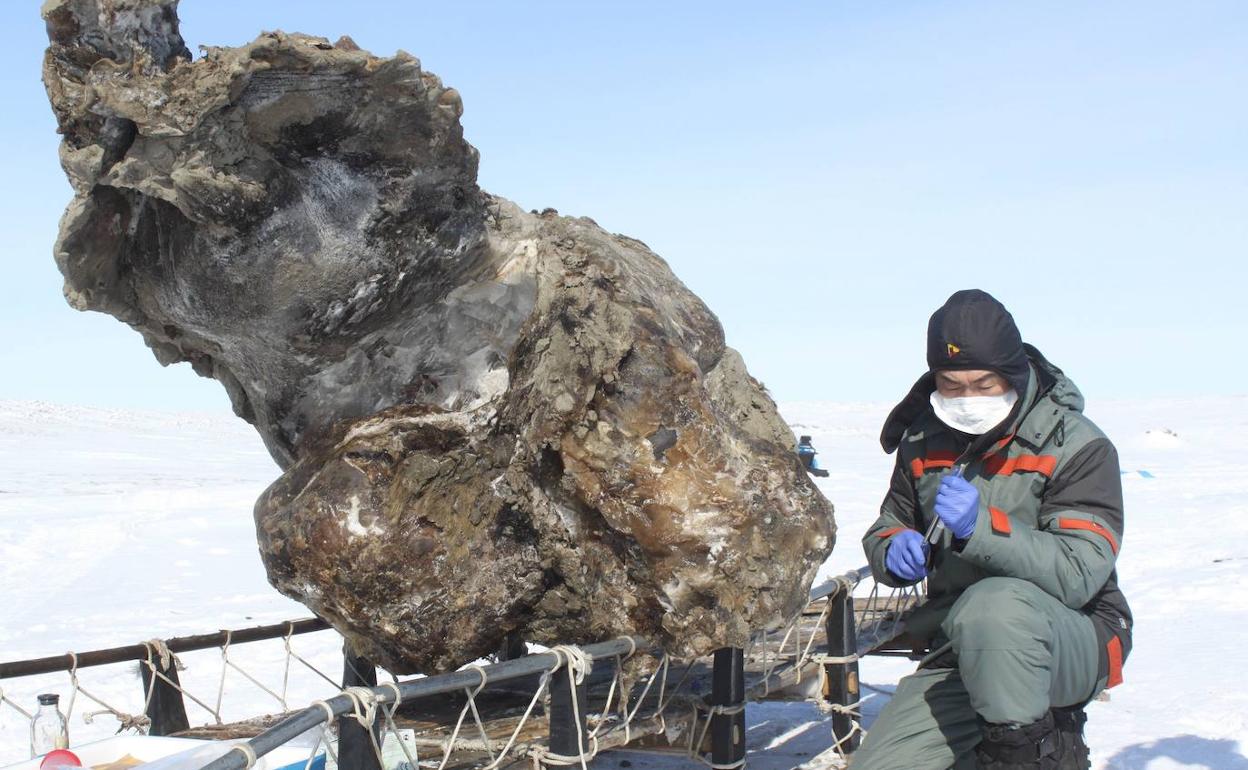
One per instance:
[(1019, 747), (1074, 750)]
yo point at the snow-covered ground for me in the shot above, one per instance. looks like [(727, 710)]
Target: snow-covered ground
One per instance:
[(121, 526)]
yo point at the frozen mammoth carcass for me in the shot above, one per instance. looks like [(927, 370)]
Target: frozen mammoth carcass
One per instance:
[(489, 421)]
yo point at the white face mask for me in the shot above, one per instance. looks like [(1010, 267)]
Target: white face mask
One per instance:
[(974, 414)]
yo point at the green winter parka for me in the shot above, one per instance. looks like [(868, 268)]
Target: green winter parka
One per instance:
[(1050, 506)]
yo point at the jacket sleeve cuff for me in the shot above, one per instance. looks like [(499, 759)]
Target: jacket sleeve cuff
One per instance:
[(978, 547)]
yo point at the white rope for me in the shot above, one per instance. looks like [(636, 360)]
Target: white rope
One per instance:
[(578, 664), (617, 682), (702, 727), (290, 653), (290, 629), (138, 722), (73, 684), (868, 606), (459, 723), (697, 737), (329, 711), (663, 704), (414, 761), (247, 751), (363, 705), (13, 704), (855, 726), (159, 660), (793, 650), (324, 738), (838, 743), (157, 673), (632, 648), (887, 614), (364, 711), (542, 686), (660, 673), (775, 660), (167, 658), (476, 715), (281, 699), (850, 708), (225, 661), (820, 622), (795, 646)]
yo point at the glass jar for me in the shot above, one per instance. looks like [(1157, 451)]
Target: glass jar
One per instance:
[(48, 730)]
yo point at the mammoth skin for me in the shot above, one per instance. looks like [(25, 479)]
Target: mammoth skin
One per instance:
[(489, 421)]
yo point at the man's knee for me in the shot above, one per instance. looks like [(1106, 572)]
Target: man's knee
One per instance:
[(926, 725), (995, 613)]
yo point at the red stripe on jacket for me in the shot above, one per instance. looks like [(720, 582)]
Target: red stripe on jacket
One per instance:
[(935, 460), (1000, 521), (1091, 526), (1114, 646), (994, 465)]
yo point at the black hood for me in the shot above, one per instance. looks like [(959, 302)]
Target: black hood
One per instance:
[(917, 401), (972, 330)]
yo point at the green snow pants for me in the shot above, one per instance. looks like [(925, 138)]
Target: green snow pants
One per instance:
[(1019, 652)]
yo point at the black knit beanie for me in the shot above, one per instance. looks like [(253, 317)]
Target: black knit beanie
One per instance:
[(972, 330)]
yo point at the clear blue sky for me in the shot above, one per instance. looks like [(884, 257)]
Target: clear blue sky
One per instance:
[(823, 174)]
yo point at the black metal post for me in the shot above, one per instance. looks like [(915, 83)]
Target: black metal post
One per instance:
[(569, 728), (728, 689), (841, 680), (513, 647), (166, 709), (355, 751)]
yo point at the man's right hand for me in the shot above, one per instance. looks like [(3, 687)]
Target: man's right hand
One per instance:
[(907, 556)]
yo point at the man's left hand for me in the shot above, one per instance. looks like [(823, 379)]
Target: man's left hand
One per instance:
[(957, 505)]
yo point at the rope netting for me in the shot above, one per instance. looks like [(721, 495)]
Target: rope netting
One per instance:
[(674, 710), (375, 709), (159, 660), (784, 665)]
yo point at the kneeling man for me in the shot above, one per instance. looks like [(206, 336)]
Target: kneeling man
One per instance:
[(1009, 502)]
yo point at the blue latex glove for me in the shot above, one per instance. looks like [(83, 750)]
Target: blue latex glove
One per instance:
[(957, 505), (907, 555)]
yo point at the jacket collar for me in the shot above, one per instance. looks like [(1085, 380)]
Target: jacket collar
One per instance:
[(1057, 395)]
